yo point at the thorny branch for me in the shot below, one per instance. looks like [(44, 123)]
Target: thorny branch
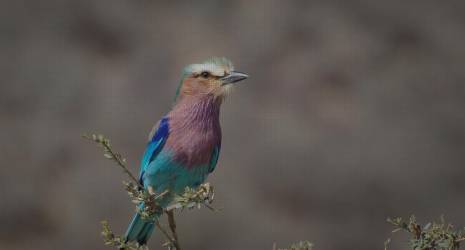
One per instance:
[(432, 236)]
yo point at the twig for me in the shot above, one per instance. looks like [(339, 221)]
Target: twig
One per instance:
[(121, 163), (110, 154), (460, 239), (171, 240), (172, 225)]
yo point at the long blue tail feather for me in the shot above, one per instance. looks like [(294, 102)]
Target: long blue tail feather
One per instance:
[(139, 230)]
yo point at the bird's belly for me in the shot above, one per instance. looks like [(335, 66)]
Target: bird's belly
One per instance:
[(168, 174)]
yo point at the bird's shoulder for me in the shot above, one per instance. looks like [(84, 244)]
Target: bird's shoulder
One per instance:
[(159, 130), (156, 141)]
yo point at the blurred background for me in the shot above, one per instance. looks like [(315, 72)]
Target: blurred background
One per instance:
[(354, 111)]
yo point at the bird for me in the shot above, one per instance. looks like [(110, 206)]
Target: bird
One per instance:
[(184, 146)]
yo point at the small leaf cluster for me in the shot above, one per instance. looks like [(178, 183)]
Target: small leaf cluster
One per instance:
[(147, 205), (432, 236), (302, 245), (195, 197), (107, 152), (150, 202), (110, 239)]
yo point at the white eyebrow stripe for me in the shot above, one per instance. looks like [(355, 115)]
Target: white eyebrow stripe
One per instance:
[(214, 69)]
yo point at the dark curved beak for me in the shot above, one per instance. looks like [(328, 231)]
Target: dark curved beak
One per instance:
[(233, 77)]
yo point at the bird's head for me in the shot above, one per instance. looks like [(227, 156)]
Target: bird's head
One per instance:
[(213, 77)]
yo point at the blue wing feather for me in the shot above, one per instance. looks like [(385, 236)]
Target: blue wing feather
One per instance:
[(154, 146)]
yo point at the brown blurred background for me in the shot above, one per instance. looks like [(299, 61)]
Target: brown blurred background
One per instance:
[(354, 111)]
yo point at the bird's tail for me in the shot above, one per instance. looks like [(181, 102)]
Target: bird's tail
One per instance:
[(139, 230)]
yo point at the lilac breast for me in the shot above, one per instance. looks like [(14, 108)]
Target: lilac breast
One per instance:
[(194, 131)]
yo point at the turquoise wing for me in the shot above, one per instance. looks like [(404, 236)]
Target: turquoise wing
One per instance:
[(154, 146), (214, 158)]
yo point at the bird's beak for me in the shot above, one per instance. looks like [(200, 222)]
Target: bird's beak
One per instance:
[(233, 77)]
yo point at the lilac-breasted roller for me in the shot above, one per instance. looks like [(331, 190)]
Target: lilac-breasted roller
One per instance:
[(184, 146)]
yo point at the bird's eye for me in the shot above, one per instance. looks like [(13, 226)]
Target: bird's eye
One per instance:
[(205, 74)]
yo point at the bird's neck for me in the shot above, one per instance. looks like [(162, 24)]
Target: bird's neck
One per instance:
[(194, 130), (198, 111)]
